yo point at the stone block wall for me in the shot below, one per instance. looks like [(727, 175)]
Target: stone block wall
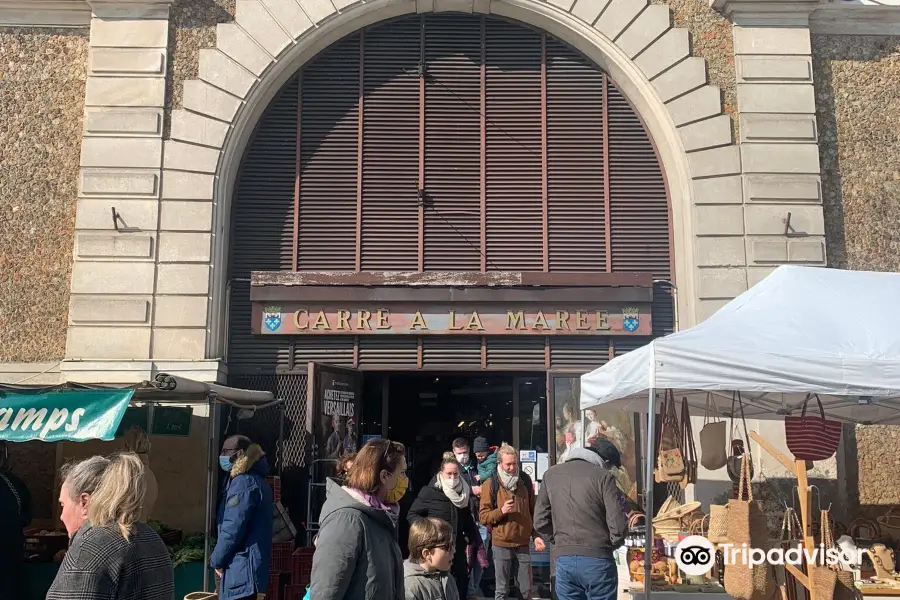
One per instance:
[(857, 82), (42, 84)]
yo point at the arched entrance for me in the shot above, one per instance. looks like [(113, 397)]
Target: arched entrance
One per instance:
[(437, 144), (444, 143)]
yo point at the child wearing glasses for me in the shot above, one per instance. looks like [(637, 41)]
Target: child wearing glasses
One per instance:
[(427, 571)]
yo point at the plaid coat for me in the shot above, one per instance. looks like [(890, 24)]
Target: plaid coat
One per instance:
[(101, 565)]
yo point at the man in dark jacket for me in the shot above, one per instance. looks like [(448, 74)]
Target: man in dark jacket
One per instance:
[(244, 545), (15, 513), (579, 510)]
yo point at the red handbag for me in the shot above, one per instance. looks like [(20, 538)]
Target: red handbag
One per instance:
[(812, 437)]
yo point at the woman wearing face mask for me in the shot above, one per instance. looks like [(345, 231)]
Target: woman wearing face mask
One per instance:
[(446, 497), (357, 555), (244, 544)]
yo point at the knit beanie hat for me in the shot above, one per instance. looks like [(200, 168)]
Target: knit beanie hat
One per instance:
[(480, 445)]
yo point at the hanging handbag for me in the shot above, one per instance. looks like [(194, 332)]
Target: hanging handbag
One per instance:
[(687, 445), (810, 437), (718, 524), (747, 524), (738, 448), (845, 585), (713, 439), (822, 578), (746, 521), (671, 465), (889, 524)]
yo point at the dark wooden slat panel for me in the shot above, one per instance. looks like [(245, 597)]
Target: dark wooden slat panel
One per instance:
[(575, 161), (391, 147), (387, 352), (328, 159), (452, 143), (513, 153), (451, 353)]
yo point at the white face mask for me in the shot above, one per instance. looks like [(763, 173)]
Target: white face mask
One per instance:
[(463, 459)]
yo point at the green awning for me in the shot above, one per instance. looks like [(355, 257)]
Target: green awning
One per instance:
[(62, 414)]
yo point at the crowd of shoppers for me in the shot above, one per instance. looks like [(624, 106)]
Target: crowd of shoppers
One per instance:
[(467, 507)]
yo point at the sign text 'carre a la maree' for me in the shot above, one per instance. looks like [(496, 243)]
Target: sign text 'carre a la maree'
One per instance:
[(487, 319)]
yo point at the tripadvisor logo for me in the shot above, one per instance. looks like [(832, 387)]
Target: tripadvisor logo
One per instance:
[(695, 555)]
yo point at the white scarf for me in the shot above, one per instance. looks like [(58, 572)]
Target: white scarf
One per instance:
[(509, 481), (457, 494)]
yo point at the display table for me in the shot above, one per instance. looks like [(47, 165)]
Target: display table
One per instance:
[(671, 595), (39, 577)]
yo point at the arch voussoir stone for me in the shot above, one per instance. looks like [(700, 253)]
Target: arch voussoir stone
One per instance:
[(617, 16), (256, 21), (235, 43), (643, 31), (292, 18)]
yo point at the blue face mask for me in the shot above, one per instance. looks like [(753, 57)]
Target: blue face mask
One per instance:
[(225, 463)]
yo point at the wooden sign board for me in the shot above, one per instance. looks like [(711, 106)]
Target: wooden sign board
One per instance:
[(294, 318)]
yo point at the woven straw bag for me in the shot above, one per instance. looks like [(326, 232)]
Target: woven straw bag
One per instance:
[(845, 586), (718, 524)]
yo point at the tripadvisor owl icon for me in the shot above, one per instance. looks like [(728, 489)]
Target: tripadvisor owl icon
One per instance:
[(695, 555)]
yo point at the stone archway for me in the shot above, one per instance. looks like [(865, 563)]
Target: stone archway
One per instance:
[(631, 40)]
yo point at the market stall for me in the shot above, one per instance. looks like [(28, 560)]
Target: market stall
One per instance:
[(74, 412), (804, 338)]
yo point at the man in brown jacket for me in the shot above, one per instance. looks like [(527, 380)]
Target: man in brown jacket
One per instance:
[(507, 506)]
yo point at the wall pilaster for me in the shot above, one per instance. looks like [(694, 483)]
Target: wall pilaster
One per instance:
[(126, 229), (782, 198)]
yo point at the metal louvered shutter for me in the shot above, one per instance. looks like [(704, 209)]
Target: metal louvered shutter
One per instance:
[(399, 352), (329, 125), (513, 137), (390, 147), (575, 162), (451, 352), (453, 56), (262, 228)]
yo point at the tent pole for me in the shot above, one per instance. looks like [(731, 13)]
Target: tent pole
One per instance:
[(210, 456), (648, 490)]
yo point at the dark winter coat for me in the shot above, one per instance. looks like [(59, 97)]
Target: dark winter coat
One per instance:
[(431, 502), (578, 508), (244, 544), (357, 556), (15, 513), (102, 565)]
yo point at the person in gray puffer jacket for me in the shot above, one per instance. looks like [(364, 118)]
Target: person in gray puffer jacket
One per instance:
[(427, 572), (357, 556)]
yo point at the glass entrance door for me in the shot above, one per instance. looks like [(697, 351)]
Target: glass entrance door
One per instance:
[(530, 413)]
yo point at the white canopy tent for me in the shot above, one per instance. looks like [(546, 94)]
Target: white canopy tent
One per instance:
[(800, 331)]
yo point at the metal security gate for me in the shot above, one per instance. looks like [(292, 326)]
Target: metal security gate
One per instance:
[(447, 142)]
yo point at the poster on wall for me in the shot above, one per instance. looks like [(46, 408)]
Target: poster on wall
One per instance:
[(576, 428), (334, 408)]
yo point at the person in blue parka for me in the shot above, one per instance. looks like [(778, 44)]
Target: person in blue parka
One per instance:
[(244, 545)]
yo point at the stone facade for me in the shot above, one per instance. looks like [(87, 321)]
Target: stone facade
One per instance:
[(857, 86), (42, 82), (774, 141)]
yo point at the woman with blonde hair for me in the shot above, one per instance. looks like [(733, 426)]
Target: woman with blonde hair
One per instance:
[(446, 497), (114, 556)]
